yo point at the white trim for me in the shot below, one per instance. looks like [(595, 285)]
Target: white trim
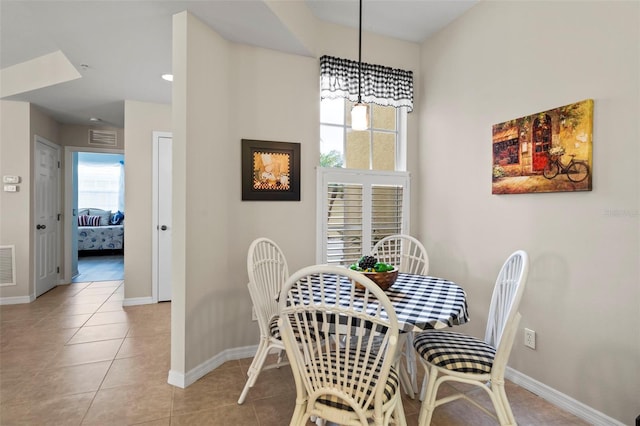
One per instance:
[(561, 400), (183, 380), (134, 301), (401, 139), (17, 300), (68, 200)]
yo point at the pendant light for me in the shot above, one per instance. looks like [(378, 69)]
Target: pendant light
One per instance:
[(360, 111)]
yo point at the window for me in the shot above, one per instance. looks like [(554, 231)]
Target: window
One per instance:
[(99, 186), (381, 147), (363, 188), (357, 209)]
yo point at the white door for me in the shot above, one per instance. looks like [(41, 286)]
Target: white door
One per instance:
[(46, 207), (162, 215)]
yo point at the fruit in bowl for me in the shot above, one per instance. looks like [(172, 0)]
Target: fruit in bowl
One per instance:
[(383, 274)]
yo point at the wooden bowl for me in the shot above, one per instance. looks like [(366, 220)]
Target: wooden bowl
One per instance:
[(383, 279)]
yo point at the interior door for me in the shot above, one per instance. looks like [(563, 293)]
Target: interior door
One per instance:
[(46, 208), (162, 215)]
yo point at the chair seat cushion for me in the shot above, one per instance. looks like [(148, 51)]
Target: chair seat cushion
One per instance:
[(455, 351), (391, 386), (275, 330)]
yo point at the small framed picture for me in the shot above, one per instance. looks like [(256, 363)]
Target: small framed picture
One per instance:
[(270, 171)]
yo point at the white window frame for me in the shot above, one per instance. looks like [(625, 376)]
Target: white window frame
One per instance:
[(400, 132), (368, 179)]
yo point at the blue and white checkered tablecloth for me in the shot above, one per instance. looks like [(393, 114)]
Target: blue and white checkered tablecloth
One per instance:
[(421, 302)]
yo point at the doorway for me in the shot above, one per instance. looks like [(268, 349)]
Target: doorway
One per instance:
[(162, 196), (101, 244), (46, 214)]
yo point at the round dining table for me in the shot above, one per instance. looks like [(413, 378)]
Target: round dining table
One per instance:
[(421, 302)]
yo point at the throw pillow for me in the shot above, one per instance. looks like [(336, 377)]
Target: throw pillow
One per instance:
[(105, 215), (86, 220), (117, 218)]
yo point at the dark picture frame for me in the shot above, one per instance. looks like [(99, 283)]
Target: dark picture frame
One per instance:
[(270, 171)]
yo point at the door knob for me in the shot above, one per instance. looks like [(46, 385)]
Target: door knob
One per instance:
[(41, 226), (163, 227)]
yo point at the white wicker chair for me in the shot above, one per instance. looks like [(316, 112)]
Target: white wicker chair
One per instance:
[(409, 255), (449, 356), (268, 270), (341, 348), (403, 251)]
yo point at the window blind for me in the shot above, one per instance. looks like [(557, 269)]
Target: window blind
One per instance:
[(358, 208)]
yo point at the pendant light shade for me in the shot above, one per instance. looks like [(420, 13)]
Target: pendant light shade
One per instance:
[(360, 117), (360, 111)]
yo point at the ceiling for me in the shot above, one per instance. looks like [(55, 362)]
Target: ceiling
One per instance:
[(120, 48)]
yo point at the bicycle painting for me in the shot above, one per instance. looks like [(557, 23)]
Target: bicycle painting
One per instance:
[(550, 151)]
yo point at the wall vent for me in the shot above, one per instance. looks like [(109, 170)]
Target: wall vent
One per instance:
[(103, 137), (7, 265)]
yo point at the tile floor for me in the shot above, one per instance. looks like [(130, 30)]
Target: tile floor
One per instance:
[(75, 356), (94, 267)]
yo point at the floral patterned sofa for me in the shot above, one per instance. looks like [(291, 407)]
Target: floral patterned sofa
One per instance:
[(100, 229)]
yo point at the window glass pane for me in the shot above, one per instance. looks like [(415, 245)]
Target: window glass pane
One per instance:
[(384, 151), (98, 187), (332, 111), (358, 150), (331, 146), (384, 117), (372, 149)]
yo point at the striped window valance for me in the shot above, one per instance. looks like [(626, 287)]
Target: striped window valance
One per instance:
[(381, 85)]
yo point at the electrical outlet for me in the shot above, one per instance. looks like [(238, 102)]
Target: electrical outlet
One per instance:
[(253, 314), (530, 338)]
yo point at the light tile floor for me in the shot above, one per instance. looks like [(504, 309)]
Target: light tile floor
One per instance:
[(75, 356), (93, 267)]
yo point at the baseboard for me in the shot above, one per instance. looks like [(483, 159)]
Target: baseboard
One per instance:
[(17, 300), (183, 380), (133, 301), (561, 400)]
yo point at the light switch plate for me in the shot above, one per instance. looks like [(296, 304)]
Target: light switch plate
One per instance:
[(10, 188), (10, 179)]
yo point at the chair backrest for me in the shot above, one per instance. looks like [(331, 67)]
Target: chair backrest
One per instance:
[(403, 251), (504, 317), (268, 270), (340, 340)]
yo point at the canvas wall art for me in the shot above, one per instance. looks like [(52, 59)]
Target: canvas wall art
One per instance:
[(550, 151)]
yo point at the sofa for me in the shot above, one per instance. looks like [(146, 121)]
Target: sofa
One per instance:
[(100, 229)]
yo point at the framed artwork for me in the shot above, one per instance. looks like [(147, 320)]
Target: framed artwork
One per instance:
[(270, 171), (550, 151)]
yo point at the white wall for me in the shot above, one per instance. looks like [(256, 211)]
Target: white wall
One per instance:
[(505, 60), (15, 148), (224, 92), (141, 120), (20, 122)]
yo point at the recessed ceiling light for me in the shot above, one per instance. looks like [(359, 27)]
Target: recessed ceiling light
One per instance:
[(168, 77), (95, 119)]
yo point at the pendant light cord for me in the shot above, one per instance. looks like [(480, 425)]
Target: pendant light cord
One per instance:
[(360, 56)]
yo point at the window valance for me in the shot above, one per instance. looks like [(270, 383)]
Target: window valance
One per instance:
[(381, 85)]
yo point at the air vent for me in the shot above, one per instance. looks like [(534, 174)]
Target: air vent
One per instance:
[(103, 137), (7, 265)]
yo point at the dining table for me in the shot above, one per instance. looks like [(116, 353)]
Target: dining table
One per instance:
[(421, 302)]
